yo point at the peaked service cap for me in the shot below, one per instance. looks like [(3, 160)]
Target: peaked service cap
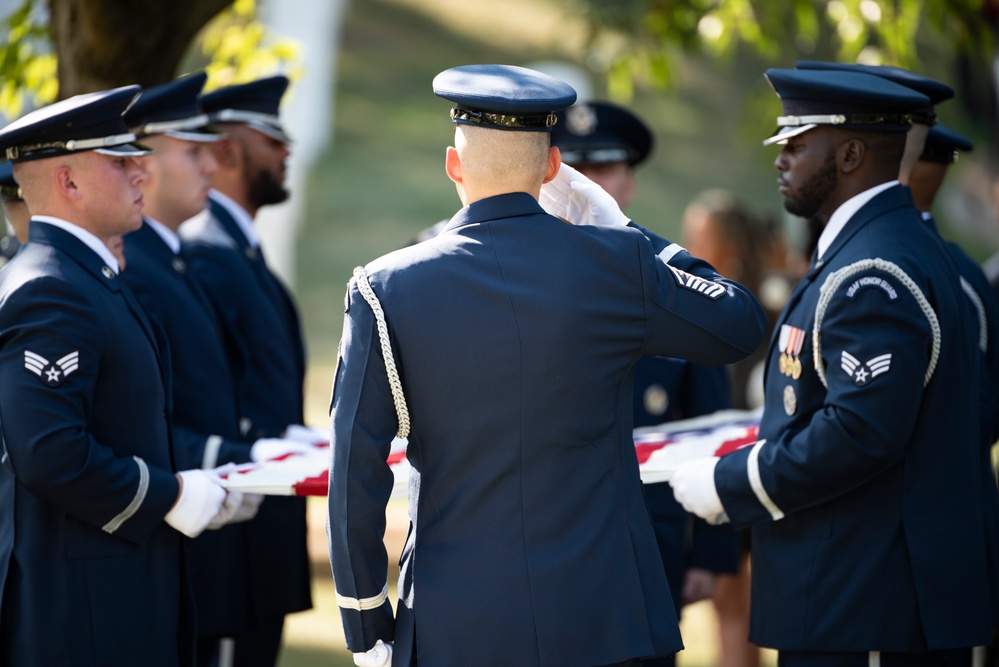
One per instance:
[(91, 121), (850, 100), (504, 97)]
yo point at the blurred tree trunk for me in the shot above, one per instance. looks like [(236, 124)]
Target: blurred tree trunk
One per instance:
[(103, 44)]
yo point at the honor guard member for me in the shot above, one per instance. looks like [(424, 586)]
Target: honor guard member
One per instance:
[(865, 502), (262, 336), (169, 119), (605, 142), (90, 553), (983, 310), (927, 175), (514, 336)]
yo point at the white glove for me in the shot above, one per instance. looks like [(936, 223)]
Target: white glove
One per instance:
[(378, 656), (233, 499), (579, 201), (200, 501), (247, 504), (693, 485), (271, 448), (248, 508), (306, 434)]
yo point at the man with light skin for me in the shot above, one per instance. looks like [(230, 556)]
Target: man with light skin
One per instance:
[(92, 505), (170, 120), (517, 332), (262, 336)]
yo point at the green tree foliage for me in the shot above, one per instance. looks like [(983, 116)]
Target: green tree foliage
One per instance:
[(59, 48), (639, 39), (238, 48)]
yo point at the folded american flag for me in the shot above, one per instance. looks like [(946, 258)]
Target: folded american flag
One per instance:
[(660, 449)]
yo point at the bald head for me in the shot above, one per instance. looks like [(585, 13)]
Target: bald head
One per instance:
[(485, 162)]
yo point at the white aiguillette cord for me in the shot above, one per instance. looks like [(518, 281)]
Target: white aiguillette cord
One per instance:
[(395, 384)]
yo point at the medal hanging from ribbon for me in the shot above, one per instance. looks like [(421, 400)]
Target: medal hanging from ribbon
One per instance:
[(791, 341)]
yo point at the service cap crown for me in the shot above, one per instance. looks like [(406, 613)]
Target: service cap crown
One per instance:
[(850, 100), (943, 145), (172, 109), (935, 90), (504, 97), (91, 121), (256, 104), (601, 132)]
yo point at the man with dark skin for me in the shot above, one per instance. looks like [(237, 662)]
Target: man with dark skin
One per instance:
[(850, 493)]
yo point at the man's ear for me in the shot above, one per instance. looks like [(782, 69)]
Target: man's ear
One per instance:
[(851, 155), (554, 163), (452, 165), (65, 184), (225, 152)]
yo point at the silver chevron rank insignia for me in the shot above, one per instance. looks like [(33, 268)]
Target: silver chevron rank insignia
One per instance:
[(862, 373), (697, 284), (52, 373)]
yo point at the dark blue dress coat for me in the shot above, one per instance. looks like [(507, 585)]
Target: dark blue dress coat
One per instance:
[(865, 493), (90, 572), (516, 337), (205, 419), (263, 343)]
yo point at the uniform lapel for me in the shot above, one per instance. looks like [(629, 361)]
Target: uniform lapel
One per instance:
[(102, 273)]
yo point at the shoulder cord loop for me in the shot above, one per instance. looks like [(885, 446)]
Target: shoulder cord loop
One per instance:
[(837, 278), (395, 384)]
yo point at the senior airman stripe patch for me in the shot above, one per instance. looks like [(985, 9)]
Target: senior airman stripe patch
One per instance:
[(697, 284)]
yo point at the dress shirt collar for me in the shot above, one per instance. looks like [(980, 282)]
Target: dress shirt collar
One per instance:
[(89, 239), (168, 235), (238, 214), (846, 210)]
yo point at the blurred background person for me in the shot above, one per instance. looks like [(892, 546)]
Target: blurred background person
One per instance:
[(606, 142)]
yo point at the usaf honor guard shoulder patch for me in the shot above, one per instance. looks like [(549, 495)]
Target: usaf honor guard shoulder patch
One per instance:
[(52, 373), (697, 284)]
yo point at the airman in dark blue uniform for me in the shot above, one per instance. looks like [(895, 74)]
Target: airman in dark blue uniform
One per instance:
[(262, 334), (90, 506), (864, 491), (515, 336), (983, 313), (927, 175), (170, 120)]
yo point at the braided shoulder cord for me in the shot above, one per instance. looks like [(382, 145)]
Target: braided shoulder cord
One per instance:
[(837, 278), (395, 384)]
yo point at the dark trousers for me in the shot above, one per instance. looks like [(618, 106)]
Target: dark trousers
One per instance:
[(260, 647), (954, 658)]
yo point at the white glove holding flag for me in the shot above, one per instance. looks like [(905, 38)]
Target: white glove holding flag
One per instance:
[(271, 448), (579, 201), (306, 434), (378, 656), (249, 503), (200, 501), (693, 485)]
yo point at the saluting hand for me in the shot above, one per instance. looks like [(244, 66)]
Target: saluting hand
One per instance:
[(579, 201)]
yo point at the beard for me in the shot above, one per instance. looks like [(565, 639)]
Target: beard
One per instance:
[(814, 191), (264, 189)]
